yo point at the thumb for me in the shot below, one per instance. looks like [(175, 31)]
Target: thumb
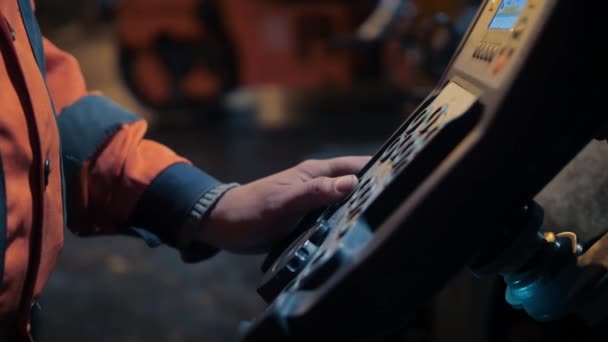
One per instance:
[(319, 191)]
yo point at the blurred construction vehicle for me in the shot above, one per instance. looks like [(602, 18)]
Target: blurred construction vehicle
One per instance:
[(189, 54)]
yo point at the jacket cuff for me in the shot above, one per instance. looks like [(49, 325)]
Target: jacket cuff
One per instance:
[(188, 241), (166, 205)]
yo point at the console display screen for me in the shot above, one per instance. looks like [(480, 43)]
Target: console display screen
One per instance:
[(507, 14)]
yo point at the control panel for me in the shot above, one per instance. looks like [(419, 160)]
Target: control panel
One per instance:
[(502, 32), (484, 142), (308, 258)]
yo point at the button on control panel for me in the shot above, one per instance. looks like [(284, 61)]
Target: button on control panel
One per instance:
[(486, 52), (519, 29)]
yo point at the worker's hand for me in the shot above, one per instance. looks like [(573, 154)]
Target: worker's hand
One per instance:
[(252, 217)]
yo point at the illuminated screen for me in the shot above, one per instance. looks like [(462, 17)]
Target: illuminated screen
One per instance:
[(507, 13)]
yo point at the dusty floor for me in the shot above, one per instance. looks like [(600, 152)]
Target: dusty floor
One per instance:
[(117, 289)]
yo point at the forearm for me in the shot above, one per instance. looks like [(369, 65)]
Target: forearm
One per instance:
[(121, 183)]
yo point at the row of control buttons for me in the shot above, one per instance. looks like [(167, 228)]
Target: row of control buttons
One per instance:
[(486, 52), (295, 257)]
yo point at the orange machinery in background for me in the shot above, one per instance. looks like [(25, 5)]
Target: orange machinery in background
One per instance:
[(180, 53)]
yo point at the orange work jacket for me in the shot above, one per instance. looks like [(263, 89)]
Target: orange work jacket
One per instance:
[(72, 158)]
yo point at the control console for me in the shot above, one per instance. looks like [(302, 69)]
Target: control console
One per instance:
[(512, 108)]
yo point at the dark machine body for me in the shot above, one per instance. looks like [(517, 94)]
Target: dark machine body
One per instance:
[(512, 109)]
